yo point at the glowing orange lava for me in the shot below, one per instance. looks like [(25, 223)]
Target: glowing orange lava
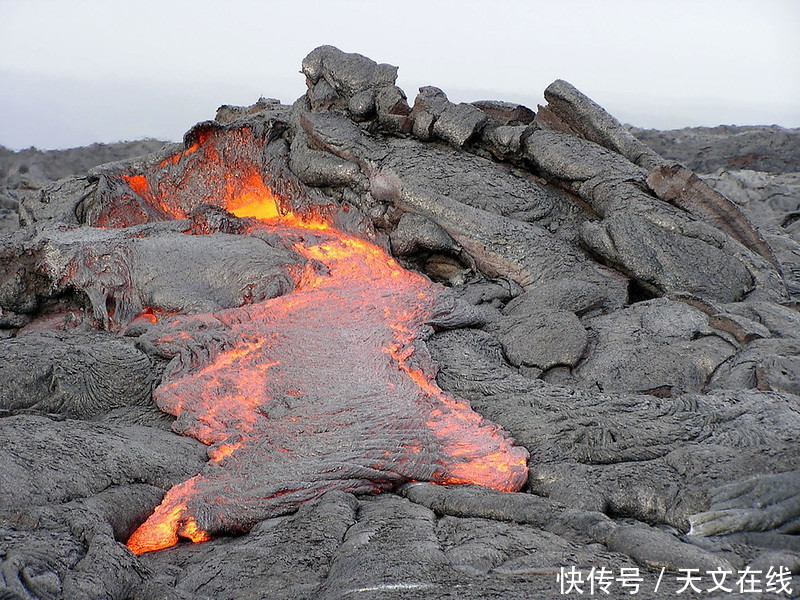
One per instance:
[(164, 533), (320, 389)]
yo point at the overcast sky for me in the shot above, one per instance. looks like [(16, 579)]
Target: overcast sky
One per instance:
[(74, 72)]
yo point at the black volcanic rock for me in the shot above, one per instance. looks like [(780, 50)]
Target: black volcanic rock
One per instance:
[(639, 338)]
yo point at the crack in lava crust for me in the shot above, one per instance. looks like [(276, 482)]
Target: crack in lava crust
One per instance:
[(317, 390)]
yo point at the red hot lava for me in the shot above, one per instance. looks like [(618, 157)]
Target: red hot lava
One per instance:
[(316, 390)]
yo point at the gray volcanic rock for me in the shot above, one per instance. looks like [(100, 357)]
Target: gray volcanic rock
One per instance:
[(771, 149), (571, 112), (435, 117), (643, 236), (568, 109), (775, 194), (543, 339), (772, 203), (458, 123), (79, 375), (48, 461), (50, 165), (737, 506), (658, 346), (643, 457), (634, 327), (155, 267), (289, 556), (24, 173)]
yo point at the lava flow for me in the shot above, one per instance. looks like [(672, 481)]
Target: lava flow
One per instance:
[(320, 389)]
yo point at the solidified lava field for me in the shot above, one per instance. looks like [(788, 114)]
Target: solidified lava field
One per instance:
[(356, 347)]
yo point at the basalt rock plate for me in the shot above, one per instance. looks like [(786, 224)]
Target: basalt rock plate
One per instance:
[(414, 350)]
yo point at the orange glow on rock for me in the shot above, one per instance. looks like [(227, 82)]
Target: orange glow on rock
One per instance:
[(176, 158), (214, 169), (324, 383), (146, 316), (138, 184), (141, 186), (251, 198)]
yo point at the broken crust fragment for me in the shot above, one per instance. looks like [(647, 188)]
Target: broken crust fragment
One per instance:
[(670, 182)]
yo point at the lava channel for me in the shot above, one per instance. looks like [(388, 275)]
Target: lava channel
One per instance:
[(321, 389)]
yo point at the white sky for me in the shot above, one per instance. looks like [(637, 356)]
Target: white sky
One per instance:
[(80, 71)]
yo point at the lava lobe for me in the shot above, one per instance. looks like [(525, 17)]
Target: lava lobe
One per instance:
[(319, 389)]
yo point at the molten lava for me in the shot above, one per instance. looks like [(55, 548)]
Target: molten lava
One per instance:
[(316, 390)]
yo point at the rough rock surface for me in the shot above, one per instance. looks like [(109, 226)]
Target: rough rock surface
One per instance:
[(638, 339), (25, 173), (770, 149), (755, 168)]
